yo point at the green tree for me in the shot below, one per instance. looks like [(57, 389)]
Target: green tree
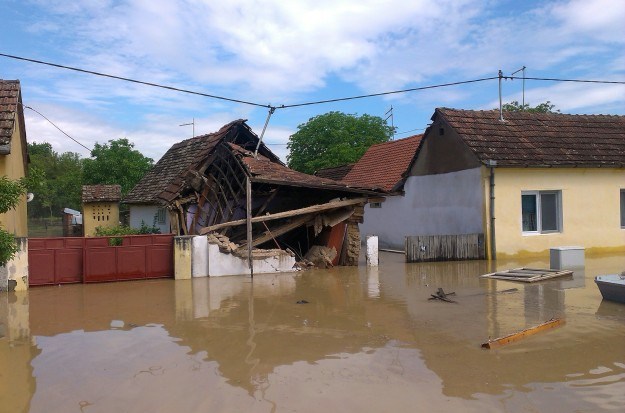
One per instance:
[(545, 107), (116, 162), (10, 192), (334, 139), (54, 179)]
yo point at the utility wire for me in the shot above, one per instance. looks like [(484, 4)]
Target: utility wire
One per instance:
[(609, 82), (318, 102), (141, 82), (53, 124)]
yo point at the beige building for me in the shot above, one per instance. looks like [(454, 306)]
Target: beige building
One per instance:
[(14, 165), (100, 207)]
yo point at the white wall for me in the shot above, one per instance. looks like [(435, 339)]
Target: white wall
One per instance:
[(146, 214), (443, 204)]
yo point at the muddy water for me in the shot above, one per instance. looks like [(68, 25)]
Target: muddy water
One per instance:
[(368, 340)]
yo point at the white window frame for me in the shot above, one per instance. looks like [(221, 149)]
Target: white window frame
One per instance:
[(622, 194), (539, 229)]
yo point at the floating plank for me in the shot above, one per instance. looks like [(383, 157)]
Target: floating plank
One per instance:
[(523, 333), (527, 274)]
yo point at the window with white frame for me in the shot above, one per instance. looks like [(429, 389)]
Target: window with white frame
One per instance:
[(375, 204), (622, 208), (541, 211)]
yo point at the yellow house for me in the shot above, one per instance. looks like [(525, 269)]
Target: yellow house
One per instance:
[(14, 165), (100, 207), (527, 181), (13, 155)]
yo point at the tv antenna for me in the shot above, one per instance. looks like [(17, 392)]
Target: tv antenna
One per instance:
[(514, 73), (389, 115), (192, 123)]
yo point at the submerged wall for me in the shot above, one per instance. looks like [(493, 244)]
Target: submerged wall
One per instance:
[(195, 257), (14, 275)]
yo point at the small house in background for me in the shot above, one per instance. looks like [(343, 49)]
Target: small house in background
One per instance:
[(387, 167), (100, 207), (72, 223), (14, 165)]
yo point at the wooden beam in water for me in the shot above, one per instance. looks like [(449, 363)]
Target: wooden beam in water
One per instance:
[(523, 333)]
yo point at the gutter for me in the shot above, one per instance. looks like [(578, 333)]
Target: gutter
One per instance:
[(491, 164)]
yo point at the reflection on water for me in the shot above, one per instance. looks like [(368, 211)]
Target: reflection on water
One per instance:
[(367, 339)]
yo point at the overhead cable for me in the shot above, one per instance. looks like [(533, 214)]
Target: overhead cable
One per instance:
[(53, 124), (318, 102), (609, 82), (141, 82)]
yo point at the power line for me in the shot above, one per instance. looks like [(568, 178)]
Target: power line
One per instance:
[(608, 82), (141, 82), (318, 102), (53, 124)]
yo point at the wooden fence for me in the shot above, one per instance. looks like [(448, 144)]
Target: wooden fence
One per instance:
[(445, 247)]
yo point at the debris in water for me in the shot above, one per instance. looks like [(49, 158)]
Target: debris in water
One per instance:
[(554, 322), (442, 295), (302, 302)]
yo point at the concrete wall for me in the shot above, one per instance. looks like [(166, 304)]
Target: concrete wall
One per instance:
[(12, 166), (99, 214), (146, 213), (442, 204), (194, 257), (14, 275), (590, 210)]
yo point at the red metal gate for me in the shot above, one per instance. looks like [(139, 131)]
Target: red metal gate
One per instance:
[(92, 259)]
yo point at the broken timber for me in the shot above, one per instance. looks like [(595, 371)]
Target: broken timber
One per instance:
[(442, 295), (523, 333), (527, 275), (287, 214)]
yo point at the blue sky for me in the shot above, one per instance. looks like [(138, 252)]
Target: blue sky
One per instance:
[(285, 52)]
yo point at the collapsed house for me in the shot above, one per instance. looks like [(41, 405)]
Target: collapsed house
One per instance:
[(229, 186)]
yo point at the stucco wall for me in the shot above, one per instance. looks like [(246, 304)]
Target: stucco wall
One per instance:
[(107, 212), (14, 275), (444, 204), (146, 213), (590, 209), (12, 165)]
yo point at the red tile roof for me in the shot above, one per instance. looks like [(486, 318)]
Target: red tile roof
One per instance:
[(101, 193), (527, 139), (384, 164), (9, 99)]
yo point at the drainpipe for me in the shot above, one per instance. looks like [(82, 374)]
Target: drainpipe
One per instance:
[(493, 248)]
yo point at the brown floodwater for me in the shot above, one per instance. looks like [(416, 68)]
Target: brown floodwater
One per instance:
[(367, 340)]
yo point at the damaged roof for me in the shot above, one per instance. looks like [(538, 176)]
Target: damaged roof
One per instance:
[(101, 193), (526, 139), (263, 170), (164, 181), (384, 164)]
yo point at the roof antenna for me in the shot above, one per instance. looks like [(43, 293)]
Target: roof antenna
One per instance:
[(500, 75), (193, 127), (391, 117), (522, 70)]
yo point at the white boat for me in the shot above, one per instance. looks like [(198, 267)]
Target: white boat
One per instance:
[(612, 287)]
